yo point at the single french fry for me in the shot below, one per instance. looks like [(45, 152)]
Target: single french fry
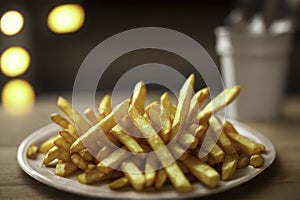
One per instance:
[(175, 175), (61, 121), (91, 116), (201, 130), (105, 125), (242, 142), (80, 123), (150, 170), (64, 123), (91, 166), (229, 166), (196, 102), (243, 161), (257, 160), (188, 140), (51, 155), (119, 183), (135, 176), (179, 152), (217, 153), (94, 176), (161, 178), (153, 114), (67, 136), (166, 129), (79, 162), (182, 110), (48, 144), (126, 139), (166, 103), (160, 120), (62, 143), (86, 155), (32, 151), (139, 96), (112, 161), (65, 168), (223, 140), (105, 105), (219, 102), (203, 172)]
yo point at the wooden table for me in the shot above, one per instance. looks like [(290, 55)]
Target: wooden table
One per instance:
[(280, 181)]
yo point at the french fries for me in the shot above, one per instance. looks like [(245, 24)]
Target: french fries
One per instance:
[(65, 168), (32, 151), (141, 147), (203, 172), (119, 183), (135, 177), (229, 166)]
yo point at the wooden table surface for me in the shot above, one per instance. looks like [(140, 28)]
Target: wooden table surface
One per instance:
[(280, 181)]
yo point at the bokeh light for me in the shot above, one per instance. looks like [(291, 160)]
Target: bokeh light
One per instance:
[(11, 22), (18, 97), (14, 61), (66, 18)]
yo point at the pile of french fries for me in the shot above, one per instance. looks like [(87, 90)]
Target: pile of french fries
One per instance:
[(173, 133)]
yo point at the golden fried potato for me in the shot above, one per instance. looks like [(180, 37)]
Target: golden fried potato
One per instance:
[(150, 170), (182, 110), (139, 96), (94, 176), (112, 161), (257, 160), (219, 102), (65, 168), (135, 176), (32, 151), (242, 142), (51, 155), (167, 105), (196, 102), (48, 144), (243, 161), (106, 124), (79, 162), (119, 183), (80, 122), (105, 105), (203, 172), (229, 166), (161, 178), (175, 175)]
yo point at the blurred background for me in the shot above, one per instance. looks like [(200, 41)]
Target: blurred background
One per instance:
[(43, 43)]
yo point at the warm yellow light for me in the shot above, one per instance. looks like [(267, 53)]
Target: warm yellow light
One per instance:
[(18, 97), (14, 61), (66, 18), (11, 22)]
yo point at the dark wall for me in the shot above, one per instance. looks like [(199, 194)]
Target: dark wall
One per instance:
[(56, 58)]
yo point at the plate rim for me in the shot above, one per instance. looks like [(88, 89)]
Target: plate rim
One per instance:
[(25, 166)]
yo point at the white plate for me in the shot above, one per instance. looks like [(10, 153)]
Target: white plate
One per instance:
[(45, 175)]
